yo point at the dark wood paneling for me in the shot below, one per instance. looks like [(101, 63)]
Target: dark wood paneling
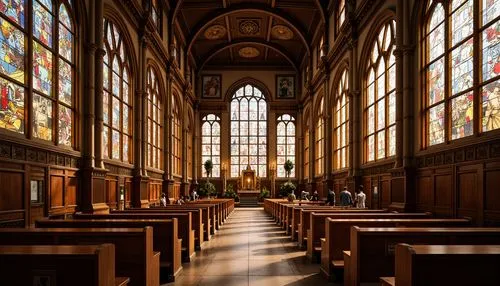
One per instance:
[(492, 194), (385, 193), (424, 191), (56, 191), (467, 191), (11, 191), (71, 191), (443, 194)]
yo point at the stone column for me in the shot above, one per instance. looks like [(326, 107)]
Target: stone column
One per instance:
[(140, 196), (299, 148), (167, 147), (196, 142), (355, 118), (94, 190), (402, 179), (327, 127)]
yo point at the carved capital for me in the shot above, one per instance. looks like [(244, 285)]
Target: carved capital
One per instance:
[(90, 48), (100, 52)]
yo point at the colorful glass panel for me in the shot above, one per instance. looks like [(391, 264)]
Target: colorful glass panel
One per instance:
[(462, 116), (11, 51), (436, 82), (64, 16), (115, 144), (42, 118), (462, 22), (65, 123), (491, 106), (285, 144), (42, 69), (65, 43), (65, 82), (14, 10), (491, 10), (462, 67), (11, 106), (42, 26), (436, 124), (491, 51)]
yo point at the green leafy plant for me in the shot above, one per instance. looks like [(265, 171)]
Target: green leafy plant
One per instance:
[(287, 188), (264, 193), (207, 189), (231, 194), (208, 165), (291, 197), (288, 166)]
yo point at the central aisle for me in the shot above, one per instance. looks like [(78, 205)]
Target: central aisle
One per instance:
[(250, 249)]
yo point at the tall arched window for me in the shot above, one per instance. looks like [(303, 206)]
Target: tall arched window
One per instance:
[(452, 93), (306, 152), (380, 96), (248, 131), (285, 143), (341, 124), (341, 12), (154, 124), (176, 137), (117, 101), (156, 14), (52, 70), (210, 143), (320, 139)]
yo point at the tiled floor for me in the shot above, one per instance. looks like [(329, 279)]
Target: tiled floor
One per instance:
[(250, 249)]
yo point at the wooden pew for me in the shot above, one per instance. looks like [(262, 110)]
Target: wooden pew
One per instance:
[(458, 265), (207, 218), (305, 219), (91, 265), (372, 249), (165, 237), (317, 226), (196, 216), (338, 231), (185, 228), (134, 256)]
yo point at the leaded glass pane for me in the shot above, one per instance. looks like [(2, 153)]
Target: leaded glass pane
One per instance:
[(42, 118), (42, 69), (12, 51), (462, 116), (65, 123), (11, 106), (14, 10), (491, 106)]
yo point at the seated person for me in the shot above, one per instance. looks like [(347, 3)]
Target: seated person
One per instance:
[(330, 200), (163, 200), (181, 201), (304, 195), (315, 196)]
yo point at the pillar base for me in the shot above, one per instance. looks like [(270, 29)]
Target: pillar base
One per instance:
[(94, 191), (140, 193)]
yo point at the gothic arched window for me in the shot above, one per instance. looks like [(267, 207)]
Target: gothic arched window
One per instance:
[(210, 143), (51, 72), (285, 143), (320, 139), (154, 121), (176, 137), (455, 79), (117, 99), (341, 124), (380, 96), (248, 131)]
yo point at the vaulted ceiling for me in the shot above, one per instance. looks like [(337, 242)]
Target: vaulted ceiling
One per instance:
[(249, 33)]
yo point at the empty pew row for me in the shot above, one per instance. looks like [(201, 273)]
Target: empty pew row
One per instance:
[(133, 247), (185, 226), (21, 265), (165, 236), (433, 265), (338, 231), (372, 250)]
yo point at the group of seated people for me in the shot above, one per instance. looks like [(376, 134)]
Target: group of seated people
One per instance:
[(181, 200), (346, 199)]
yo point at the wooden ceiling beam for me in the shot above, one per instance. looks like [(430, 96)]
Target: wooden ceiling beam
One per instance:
[(256, 41), (211, 17)]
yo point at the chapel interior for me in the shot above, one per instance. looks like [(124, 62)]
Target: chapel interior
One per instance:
[(128, 123)]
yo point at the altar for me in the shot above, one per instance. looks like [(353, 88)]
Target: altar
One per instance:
[(249, 183)]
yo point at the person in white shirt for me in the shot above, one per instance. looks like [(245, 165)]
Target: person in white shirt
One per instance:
[(194, 195), (163, 200), (360, 198)]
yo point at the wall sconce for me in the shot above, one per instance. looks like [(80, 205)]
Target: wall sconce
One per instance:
[(223, 167), (273, 167)]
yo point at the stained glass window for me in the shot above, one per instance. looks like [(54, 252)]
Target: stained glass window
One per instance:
[(154, 124), (380, 96), (176, 137), (450, 113), (341, 124), (210, 143), (117, 103), (248, 131), (156, 14), (341, 14), (306, 152), (52, 69), (285, 143), (320, 140)]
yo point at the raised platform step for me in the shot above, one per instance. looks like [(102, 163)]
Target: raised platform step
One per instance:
[(250, 202)]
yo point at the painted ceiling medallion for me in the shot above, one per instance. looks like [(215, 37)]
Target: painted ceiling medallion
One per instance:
[(282, 32), (248, 52), (249, 27), (215, 32)]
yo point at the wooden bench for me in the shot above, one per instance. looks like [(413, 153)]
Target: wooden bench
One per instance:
[(91, 265), (317, 226), (458, 265), (134, 256), (185, 230), (305, 219), (208, 216), (372, 249), (165, 237), (196, 217), (338, 231)]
